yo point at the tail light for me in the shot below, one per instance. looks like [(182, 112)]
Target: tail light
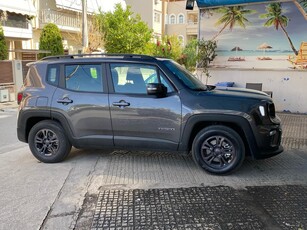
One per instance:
[(19, 97)]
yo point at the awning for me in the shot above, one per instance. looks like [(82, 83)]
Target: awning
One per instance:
[(25, 7), (216, 3)]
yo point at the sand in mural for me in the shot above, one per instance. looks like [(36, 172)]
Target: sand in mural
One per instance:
[(259, 36)]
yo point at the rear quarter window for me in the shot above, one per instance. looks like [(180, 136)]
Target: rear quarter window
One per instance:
[(53, 73), (32, 79)]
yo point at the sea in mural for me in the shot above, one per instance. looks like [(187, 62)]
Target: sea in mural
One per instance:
[(272, 36)]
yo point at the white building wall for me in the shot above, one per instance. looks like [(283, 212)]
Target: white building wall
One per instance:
[(288, 87)]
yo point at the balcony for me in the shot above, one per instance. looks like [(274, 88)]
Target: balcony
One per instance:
[(65, 21), (192, 27), (16, 21), (17, 26)]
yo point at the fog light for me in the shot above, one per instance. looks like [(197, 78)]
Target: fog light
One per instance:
[(272, 133)]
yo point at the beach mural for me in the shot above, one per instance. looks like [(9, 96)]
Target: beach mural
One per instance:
[(258, 36)]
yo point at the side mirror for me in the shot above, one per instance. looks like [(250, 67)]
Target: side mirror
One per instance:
[(157, 89)]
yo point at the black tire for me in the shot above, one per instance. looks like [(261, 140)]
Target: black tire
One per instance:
[(218, 149), (48, 143)]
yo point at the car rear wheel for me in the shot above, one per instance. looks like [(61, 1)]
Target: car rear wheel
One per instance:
[(218, 149), (48, 143)]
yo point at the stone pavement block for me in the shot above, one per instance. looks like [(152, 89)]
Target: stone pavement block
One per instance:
[(294, 130), (221, 207), (164, 170), (180, 208), (286, 204)]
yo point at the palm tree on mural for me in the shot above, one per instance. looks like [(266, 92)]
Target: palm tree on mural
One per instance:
[(304, 3), (232, 16), (278, 20)]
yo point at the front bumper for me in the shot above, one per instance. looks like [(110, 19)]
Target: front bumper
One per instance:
[(269, 141)]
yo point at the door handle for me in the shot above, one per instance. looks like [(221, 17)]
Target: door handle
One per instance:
[(65, 101), (121, 104)]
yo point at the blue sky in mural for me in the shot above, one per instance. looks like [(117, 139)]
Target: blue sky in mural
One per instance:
[(255, 33), (210, 3)]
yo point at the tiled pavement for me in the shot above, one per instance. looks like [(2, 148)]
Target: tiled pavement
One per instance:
[(294, 130), (144, 190), (270, 207)]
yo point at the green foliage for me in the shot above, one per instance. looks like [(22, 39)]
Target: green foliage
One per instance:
[(51, 40), (206, 54), (189, 55), (169, 47), (304, 3), (3, 46), (275, 16), (150, 48), (122, 31)]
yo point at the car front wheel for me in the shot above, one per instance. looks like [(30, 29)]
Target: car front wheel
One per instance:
[(48, 143), (218, 149)]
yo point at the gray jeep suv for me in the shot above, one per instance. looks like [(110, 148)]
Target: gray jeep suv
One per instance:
[(143, 103)]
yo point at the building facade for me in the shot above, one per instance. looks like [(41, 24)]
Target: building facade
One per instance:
[(16, 18), (24, 20), (67, 15), (181, 22), (168, 17), (151, 12)]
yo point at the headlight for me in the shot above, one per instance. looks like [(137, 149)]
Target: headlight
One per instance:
[(262, 110)]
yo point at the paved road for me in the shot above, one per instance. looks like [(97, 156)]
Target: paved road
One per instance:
[(8, 136), (71, 195)]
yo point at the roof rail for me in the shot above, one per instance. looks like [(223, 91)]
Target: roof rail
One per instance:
[(73, 56)]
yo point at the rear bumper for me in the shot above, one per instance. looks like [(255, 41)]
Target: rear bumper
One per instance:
[(21, 135)]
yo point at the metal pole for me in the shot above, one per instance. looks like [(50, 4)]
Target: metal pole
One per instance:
[(84, 26), (163, 19)]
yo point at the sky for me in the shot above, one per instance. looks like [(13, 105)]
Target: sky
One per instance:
[(255, 33), (92, 5), (108, 5)]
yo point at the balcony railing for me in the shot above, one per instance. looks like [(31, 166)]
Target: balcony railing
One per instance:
[(192, 22), (61, 19), (192, 28)]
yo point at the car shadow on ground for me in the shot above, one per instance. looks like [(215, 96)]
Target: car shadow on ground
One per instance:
[(165, 169)]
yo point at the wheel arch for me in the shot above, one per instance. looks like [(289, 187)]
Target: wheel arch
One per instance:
[(199, 122), (28, 119)]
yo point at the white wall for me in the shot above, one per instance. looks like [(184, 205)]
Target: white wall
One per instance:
[(289, 87), (19, 33)]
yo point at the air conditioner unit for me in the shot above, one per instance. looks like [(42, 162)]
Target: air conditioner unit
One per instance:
[(4, 95)]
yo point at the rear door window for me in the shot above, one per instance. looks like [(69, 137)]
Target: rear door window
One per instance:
[(84, 77)]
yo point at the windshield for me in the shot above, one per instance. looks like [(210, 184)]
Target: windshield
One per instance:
[(184, 76)]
